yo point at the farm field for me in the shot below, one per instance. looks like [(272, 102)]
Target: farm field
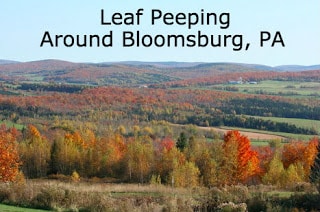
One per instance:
[(274, 87), (267, 135), (298, 122)]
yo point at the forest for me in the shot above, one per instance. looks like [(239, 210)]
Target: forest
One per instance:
[(159, 134)]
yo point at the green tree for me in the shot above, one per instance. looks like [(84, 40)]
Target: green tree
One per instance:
[(276, 173), (294, 174), (182, 141), (315, 170)]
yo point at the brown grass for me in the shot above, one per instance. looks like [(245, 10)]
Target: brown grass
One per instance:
[(96, 196), (90, 196), (250, 135)]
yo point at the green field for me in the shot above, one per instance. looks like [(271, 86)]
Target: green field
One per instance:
[(11, 124), (7, 208), (273, 87), (303, 123)]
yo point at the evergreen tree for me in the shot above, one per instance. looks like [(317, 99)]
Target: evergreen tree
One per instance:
[(182, 141), (315, 170)]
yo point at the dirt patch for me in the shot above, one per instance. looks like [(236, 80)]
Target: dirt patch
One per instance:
[(250, 135)]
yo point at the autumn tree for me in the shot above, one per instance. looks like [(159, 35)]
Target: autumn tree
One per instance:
[(185, 175), (199, 151), (279, 176), (246, 163), (9, 158), (140, 154), (300, 152), (275, 174), (265, 155), (34, 151), (166, 161), (112, 150)]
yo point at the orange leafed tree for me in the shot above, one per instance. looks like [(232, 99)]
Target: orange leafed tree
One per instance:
[(300, 152), (247, 161), (9, 158)]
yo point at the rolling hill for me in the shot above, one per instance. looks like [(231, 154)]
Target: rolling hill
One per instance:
[(127, 73)]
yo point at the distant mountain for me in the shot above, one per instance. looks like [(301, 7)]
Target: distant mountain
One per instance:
[(126, 73), (297, 68), (167, 64), (7, 62)]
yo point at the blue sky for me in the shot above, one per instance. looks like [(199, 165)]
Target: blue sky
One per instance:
[(23, 24)]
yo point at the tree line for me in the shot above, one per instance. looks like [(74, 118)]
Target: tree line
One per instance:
[(142, 156)]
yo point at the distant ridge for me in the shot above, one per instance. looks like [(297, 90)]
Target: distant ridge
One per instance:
[(174, 64), (129, 73), (169, 64), (297, 68), (3, 62)]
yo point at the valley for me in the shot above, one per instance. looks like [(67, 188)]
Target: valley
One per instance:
[(207, 133)]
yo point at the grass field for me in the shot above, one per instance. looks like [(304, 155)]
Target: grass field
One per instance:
[(282, 88), (8, 208), (304, 123), (11, 124)]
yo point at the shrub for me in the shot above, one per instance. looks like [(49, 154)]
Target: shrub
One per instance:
[(4, 193), (75, 177), (231, 207), (257, 203), (49, 198), (155, 180), (216, 197)]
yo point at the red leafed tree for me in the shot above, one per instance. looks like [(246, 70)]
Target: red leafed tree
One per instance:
[(9, 158), (247, 161), (265, 154), (167, 143)]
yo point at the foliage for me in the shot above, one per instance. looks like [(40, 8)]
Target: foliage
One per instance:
[(276, 172), (34, 151), (315, 170), (300, 152), (186, 175), (9, 157), (75, 177), (246, 160), (139, 158), (182, 141)]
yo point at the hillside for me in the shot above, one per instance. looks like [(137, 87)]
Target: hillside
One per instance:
[(128, 73)]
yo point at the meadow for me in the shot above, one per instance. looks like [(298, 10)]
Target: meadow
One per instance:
[(94, 195), (296, 89)]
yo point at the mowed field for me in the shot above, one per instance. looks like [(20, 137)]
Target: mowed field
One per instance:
[(249, 134), (304, 123), (281, 88)]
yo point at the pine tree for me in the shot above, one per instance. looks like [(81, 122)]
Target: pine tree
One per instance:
[(315, 170), (182, 141)]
